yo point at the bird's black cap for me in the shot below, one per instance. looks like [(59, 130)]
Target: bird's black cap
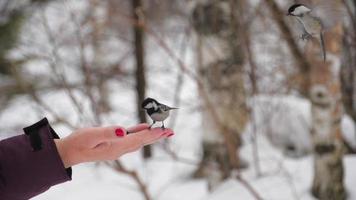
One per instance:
[(293, 7), (147, 101)]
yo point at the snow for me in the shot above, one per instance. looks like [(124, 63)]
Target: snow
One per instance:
[(348, 129), (286, 120), (298, 174), (280, 121), (282, 178), (168, 179)]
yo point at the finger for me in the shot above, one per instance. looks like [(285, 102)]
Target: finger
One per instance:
[(149, 136), (137, 128), (131, 143)]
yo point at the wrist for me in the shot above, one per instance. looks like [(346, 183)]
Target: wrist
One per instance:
[(63, 152)]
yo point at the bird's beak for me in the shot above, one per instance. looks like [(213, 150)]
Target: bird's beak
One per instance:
[(173, 108)]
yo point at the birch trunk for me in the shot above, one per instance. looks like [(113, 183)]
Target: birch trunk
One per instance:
[(326, 110), (221, 63), (321, 84), (348, 70)]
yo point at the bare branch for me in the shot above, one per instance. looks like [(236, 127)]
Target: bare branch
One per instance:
[(133, 174)]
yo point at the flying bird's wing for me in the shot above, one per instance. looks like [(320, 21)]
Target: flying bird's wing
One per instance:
[(322, 46), (329, 12)]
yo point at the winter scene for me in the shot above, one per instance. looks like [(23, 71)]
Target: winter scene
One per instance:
[(178, 99)]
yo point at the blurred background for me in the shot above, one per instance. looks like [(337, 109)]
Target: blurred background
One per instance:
[(261, 115)]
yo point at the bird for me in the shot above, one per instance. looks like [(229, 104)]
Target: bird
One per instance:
[(311, 23), (158, 112)]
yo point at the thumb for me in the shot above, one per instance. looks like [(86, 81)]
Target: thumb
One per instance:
[(137, 128)]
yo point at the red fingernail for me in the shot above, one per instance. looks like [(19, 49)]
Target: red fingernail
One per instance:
[(171, 134), (165, 133), (120, 132)]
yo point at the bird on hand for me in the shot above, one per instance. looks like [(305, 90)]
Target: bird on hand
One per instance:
[(158, 112)]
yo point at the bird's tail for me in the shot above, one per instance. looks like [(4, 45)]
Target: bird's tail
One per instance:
[(322, 46)]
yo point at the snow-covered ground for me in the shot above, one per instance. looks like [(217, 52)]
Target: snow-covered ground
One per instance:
[(286, 121), (283, 119), (169, 179), (282, 178)]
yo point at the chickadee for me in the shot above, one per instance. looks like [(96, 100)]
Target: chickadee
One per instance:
[(157, 111), (311, 24)]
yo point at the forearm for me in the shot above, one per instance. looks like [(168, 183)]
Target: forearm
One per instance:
[(24, 172)]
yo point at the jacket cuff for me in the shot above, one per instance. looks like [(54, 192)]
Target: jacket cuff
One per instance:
[(30, 163)]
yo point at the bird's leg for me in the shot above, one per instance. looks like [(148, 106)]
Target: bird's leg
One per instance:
[(163, 125), (306, 36), (151, 125)]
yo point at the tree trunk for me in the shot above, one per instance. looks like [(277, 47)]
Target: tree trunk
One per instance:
[(322, 86), (328, 147), (140, 66), (348, 70), (326, 110), (222, 75)]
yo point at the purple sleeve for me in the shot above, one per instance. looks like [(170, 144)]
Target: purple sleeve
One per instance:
[(30, 163)]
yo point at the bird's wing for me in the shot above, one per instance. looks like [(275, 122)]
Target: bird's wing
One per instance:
[(329, 12), (301, 26), (322, 46), (164, 107)]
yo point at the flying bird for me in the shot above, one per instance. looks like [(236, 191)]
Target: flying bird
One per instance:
[(314, 20)]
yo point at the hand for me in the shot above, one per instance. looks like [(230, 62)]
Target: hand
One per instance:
[(106, 143)]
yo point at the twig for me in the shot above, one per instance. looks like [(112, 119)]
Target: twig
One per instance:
[(179, 84), (32, 93), (249, 187), (54, 66), (253, 80), (86, 70), (302, 63), (120, 168), (351, 15), (228, 138)]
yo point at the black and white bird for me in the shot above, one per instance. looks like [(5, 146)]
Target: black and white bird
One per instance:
[(312, 26), (157, 111), (314, 20)]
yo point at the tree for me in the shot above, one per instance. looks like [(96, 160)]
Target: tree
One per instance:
[(327, 110), (223, 79), (348, 70), (322, 86), (140, 64), (12, 19)]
